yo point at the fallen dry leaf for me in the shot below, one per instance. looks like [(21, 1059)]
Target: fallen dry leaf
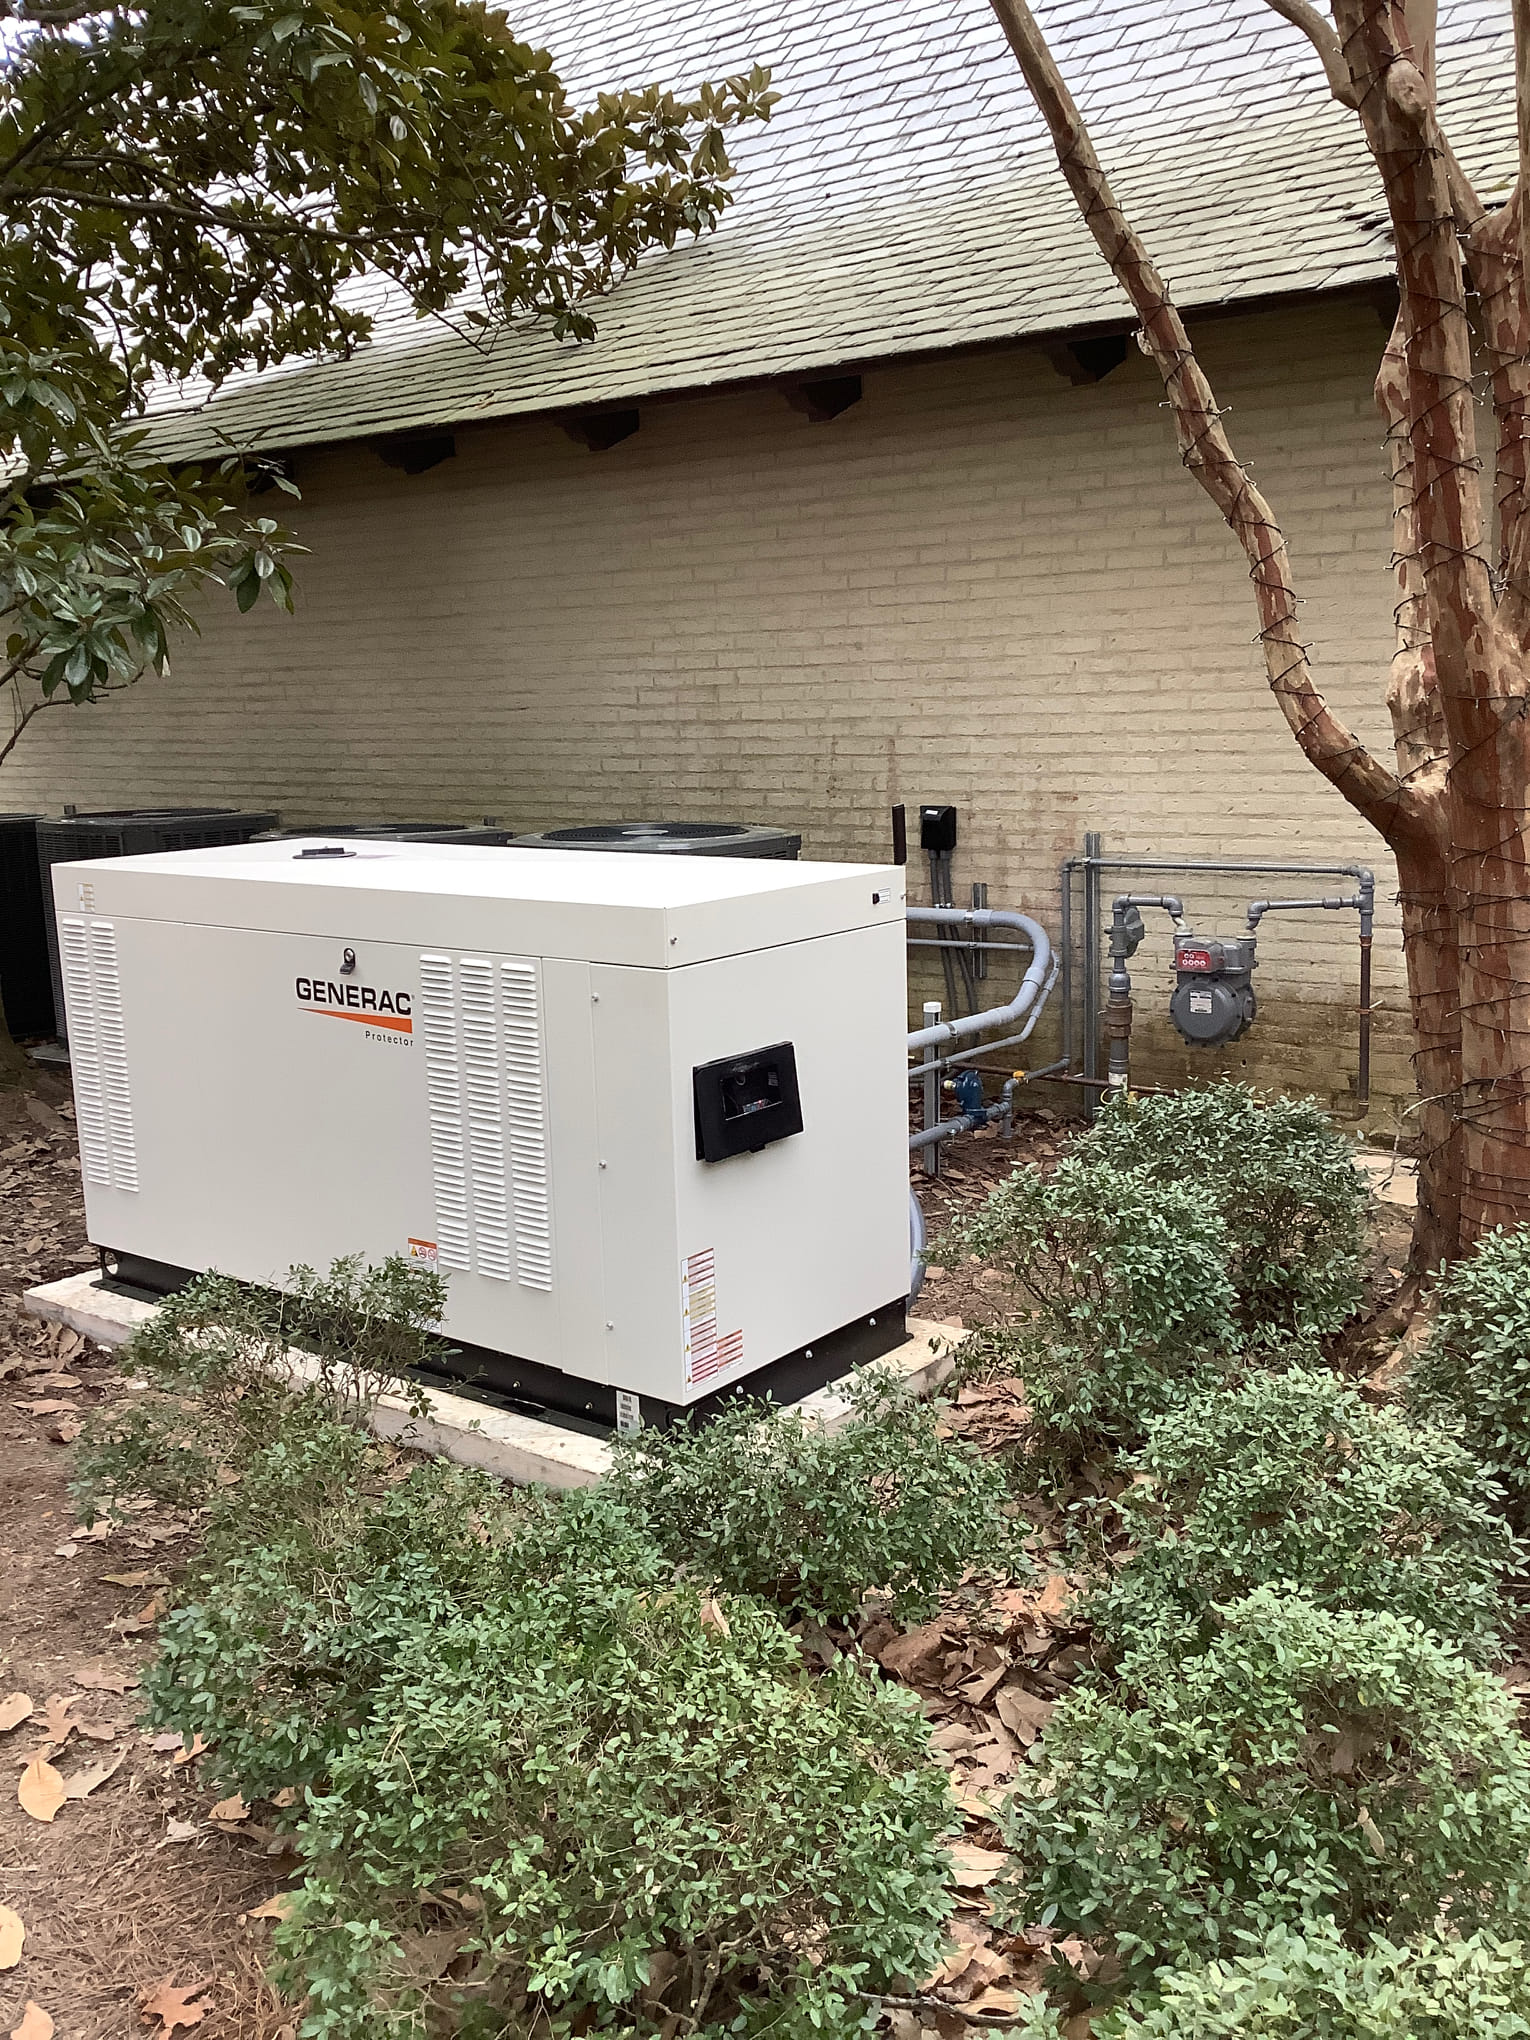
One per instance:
[(66, 1550), (1055, 1598), (35, 2024), (64, 1432), (975, 1867), (101, 1731), (56, 1723), (286, 1797), (713, 1618), (189, 1756), (104, 1679), (170, 2003), (180, 1831), (12, 1937), (41, 1790), (83, 1783), (993, 2001), (50, 1406), (15, 1708), (917, 1655), (232, 1808), (275, 1908), (134, 1579), (1024, 1713)]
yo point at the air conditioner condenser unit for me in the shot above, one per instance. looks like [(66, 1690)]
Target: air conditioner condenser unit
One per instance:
[(646, 1115)]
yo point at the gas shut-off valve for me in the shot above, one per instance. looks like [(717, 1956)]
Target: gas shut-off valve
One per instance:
[(1213, 998)]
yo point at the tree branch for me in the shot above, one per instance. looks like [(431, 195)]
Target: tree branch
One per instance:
[(23, 717), (205, 217), (1325, 40), (1369, 786), (1397, 114)]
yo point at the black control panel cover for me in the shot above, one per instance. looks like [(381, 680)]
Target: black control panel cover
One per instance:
[(937, 828), (745, 1102)]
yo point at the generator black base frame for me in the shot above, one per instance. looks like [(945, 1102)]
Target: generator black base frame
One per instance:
[(502, 1380)]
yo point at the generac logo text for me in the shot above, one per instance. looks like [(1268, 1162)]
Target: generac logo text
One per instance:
[(356, 1002)]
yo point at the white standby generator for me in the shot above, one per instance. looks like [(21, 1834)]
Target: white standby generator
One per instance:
[(647, 1115)]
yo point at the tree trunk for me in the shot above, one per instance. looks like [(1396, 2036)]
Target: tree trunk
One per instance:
[(1453, 811)]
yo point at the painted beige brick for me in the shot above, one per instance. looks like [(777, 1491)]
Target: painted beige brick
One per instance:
[(979, 584)]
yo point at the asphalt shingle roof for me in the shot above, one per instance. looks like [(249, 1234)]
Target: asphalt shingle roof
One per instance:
[(905, 199)]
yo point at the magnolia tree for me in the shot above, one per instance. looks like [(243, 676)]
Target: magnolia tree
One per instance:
[(193, 187), (1451, 804)]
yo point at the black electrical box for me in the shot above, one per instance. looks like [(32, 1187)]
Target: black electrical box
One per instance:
[(937, 828), (745, 1102)]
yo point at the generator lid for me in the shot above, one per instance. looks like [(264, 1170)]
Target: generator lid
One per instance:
[(600, 907)]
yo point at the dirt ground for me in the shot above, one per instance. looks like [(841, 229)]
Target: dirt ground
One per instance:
[(132, 1885)]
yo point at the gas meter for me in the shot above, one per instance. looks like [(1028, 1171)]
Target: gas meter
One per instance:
[(1213, 999)]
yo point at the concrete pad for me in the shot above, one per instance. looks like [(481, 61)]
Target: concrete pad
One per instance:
[(516, 1448)]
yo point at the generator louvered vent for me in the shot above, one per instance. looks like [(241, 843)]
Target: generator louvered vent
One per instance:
[(98, 1051), (488, 1130)]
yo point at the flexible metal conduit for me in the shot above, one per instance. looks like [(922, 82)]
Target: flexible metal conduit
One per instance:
[(915, 1245), (1040, 974)]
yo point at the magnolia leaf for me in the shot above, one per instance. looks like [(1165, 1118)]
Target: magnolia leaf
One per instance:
[(12, 1937), (41, 1790), (35, 2024), (170, 2003), (15, 1708), (232, 1808)]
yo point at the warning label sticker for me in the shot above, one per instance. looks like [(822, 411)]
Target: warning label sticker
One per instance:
[(424, 1254), (708, 1356)]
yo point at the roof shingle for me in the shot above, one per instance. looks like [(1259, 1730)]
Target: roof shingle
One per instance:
[(905, 199)]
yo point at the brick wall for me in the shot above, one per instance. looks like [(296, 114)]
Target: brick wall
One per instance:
[(979, 584)]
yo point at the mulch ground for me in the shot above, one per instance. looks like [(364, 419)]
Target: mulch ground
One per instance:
[(131, 1885)]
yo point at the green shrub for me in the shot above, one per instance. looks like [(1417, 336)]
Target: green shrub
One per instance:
[(1306, 1762), (1295, 1480), (628, 1789), (218, 1387), (625, 1781), (1130, 1299), (1474, 1371), (1307, 1985), (542, 1786), (1284, 1182), (764, 1503)]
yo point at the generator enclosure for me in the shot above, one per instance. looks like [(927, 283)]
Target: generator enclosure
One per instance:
[(646, 1115)]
